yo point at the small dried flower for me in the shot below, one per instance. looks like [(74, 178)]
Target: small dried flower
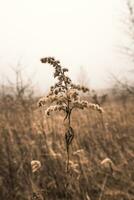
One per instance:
[(78, 104), (84, 104), (84, 89), (107, 164), (35, 164), (42, 102), (55, 108), (65, 70), (43, 60), (56, 74), (51, 88), (72, 94), (56, 91), (95, 107)]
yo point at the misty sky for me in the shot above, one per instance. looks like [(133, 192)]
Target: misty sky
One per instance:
[(80, 33)]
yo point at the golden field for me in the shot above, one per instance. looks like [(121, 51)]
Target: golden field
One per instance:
[(26, 134)]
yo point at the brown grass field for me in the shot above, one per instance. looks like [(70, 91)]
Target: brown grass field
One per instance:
[(26, 134)]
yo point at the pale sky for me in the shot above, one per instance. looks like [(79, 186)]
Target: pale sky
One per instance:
[(77, 32)]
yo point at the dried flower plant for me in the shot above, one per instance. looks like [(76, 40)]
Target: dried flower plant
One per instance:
[(64, 96)]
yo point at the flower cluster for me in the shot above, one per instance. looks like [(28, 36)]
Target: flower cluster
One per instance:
[(55, 108), (80, 88), (59, 70), (64, 95)]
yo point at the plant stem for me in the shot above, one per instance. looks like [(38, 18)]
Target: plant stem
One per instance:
[(103, 186)]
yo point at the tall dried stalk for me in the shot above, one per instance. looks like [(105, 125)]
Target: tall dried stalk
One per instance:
[(64, 96)]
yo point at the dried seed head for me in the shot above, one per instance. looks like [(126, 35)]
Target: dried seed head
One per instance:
[(72, 94), (64, 91), (84, 104), (42, 102), (80, 88), (77, 104), (43, 60), (35, 165), (108, 165), (56, 73), (84, 89), (55, 108), (65, 70), (95, 107), (106, 161), (51, 88), (56, 91)]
